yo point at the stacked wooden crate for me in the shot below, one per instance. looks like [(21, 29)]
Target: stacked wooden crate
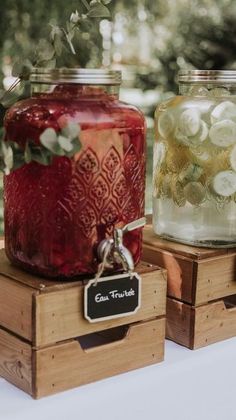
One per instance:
[(201, 302), (46, 344)]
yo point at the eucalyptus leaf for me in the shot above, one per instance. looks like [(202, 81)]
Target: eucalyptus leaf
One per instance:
[(76, 147), (71, 130), (50, 64), (49, 140), (86, 4), (58, 44), (40, 156), (22, 69), (106, 1), (8, 158), (45, 51), (19, 161), (8, 99), (75, 17), (68, 38), (27, 154), (98, 10), (55, 31), (65, 143)]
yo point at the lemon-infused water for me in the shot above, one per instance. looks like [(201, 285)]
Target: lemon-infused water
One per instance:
[(194, 194)]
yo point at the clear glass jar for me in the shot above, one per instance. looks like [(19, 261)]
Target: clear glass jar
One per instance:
[(55, 216), (194, 198)]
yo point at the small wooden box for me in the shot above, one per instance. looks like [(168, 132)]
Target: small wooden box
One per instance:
[(47, 346), (201, 308)]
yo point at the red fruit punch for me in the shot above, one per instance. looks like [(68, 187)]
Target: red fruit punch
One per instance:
[(55, 216)]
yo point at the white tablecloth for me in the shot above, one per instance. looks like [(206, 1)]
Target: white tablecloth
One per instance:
[(189, 385)]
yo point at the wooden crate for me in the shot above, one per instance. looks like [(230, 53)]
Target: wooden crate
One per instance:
[(47, 346), (200, 281)]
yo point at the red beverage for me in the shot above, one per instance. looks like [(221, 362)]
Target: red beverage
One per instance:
[(56, 215)]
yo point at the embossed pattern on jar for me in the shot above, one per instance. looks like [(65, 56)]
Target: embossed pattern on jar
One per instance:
[(55, 216)]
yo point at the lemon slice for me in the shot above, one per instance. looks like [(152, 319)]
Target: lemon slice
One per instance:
[(224, 183), (201, 156), (189, 122), (225, 110), (195, 193), (181, 138), (166, 124), (177, 192), (223, 133), (232, 158)]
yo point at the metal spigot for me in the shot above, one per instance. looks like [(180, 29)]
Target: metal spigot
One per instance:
[(116, 252)]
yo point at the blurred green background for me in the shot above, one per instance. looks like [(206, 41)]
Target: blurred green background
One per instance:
[(148, 40)]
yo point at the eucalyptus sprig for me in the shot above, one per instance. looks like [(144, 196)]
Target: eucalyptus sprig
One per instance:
[(52, 144), (49, 51)]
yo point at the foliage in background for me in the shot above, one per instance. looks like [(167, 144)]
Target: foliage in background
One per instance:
[(179, 33), (150, 40), (58, 50)]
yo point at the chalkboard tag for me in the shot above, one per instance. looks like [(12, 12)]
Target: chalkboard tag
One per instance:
[(112, 297)]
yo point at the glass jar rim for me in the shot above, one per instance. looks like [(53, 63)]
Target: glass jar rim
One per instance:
[(76, 75), (207, 76)]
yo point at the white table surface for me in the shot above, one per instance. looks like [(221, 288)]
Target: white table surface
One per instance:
[(189, 385)]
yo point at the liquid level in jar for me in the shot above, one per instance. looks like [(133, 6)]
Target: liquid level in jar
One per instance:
[(194, 199)]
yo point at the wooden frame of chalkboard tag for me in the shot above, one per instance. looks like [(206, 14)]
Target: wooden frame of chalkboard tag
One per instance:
[(112, 297)]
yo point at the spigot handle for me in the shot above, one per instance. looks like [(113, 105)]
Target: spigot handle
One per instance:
[(134, 225)]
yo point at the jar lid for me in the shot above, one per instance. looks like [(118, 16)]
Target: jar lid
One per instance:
[(209, 76), (76, 75)]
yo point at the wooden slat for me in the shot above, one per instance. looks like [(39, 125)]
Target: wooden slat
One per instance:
[(216, 278), (15, 361), (59, 315), (180, 271), (150, 238), (179, 322), (21, 276), (213, 322), (47, 285), (16, 307), (66, 365)]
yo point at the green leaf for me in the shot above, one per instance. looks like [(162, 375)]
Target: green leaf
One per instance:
[(27, 153), (86, 4), (45, 51), (50, 64), (75, 17), (58, 44), (49, 140), (8, 99), (68, 38), (22, 69), (71, 130), (76, 148), (55, 31), (98, 10), (41, 156), (7, 157), (18, 161), (106, 1), (65, 143)]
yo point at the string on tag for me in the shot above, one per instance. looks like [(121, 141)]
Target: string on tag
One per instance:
[(103, 264)]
